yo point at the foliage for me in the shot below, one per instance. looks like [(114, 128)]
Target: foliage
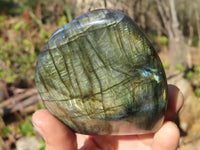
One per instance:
[(2, 18), (189, 75), (196, 40), (18, 55), (62, 21), (193, 75), (40, 106), (6, 130), (197, 69), (43, 145), (165, 65), (164, 40), (197, 92), (8, 7), (179, 67), (26, 128), (18, 60), (45, 35)]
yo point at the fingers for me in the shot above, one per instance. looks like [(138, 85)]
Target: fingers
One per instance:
[(89, 145), (56, 135), (167, 138), (128, 142), (175, 102), (168, 135)]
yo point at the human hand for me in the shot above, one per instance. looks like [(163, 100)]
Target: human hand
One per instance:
[(59, 137)]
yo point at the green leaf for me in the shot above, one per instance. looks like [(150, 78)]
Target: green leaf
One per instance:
[(25, 26), (26, 128), (165, 65), (197, 68), (189, 75), (62, 21), (45, 35), (164, 40), (179, 67), (43, 145), (40, 106), (6, 130), (2, 18), (197, 92)]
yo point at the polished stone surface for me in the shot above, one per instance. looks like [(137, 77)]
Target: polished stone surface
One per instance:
[(99, 74)]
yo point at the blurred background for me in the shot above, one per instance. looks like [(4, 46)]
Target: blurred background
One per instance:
[(173, 26)]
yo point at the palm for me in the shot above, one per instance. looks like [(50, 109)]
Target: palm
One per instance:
[(115, 142), (136, 142)]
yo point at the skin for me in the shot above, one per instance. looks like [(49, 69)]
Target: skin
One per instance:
[(59, 137)]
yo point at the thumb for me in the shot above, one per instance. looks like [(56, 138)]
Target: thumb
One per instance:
[(56, 135), (167, 137)]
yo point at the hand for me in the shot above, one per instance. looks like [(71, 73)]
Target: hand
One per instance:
[(59, 137)]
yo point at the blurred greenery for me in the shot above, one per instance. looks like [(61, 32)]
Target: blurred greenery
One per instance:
[(18, 61), (189, 75), (26, 127), (18, 57), (63, 21), (40, 106), (179, 67), (197, 69), (195, 41), (193, 75), (2, 18), (165, 65), (6, 130), (164, 40), (24, 30), (197, 92), (43, 145), (45, 35)]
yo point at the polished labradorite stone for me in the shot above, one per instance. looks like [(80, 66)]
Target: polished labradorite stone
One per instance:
[(99, 74)]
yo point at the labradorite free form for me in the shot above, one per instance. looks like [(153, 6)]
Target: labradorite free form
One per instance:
[(99, 74)]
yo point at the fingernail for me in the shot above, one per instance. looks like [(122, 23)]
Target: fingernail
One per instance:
[(180, 101)]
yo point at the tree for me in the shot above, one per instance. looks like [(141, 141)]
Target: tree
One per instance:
[(179, 52)]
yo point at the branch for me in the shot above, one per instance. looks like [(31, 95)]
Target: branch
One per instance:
[(17, 98), (157, 23), (19, 102), (162, 14), (175, 22)]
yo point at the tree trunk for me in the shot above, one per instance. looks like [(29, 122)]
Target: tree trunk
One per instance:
[(179, 52), (83, 6), (198, 26)]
